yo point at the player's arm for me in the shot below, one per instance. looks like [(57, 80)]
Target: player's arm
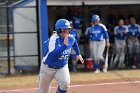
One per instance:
[(55, 50)]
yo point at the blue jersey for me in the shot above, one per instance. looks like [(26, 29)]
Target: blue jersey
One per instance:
[(98, 33), (133, 30), (75, 34), (77, 21), (57, 53), (120, 32)]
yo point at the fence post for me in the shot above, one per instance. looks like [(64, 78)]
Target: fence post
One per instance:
[(38, 32), (8, 39)]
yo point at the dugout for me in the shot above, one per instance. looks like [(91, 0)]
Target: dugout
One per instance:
[(109, 10)]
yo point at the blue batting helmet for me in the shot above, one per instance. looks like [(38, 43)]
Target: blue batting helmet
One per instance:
[(95, 18), (61, 23)]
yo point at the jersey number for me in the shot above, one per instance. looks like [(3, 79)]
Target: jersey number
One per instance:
[(63, 57)]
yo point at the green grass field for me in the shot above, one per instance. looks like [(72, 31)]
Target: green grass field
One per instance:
[(32, 80)]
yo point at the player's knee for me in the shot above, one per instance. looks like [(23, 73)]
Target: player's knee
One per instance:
[(64, 86)]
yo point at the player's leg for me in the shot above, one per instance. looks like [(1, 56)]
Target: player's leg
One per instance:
[(100, 51), (136, 44), (62, 77), (117, 45), (112, 57), (122, 54), (91, 58), (45, 78), (130, 48), (97, 65)]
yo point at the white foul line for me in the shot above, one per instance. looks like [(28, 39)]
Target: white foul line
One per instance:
[(100, 84)]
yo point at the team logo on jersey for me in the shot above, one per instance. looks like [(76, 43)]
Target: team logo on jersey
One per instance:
[(97, 31), (65, 54)]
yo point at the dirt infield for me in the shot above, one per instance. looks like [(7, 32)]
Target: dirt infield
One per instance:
[(110, 87), (83, 82)]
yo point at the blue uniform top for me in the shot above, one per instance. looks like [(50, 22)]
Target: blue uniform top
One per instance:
[(133, 30), (98, 33), (57, 53), (120, 32), (77, 20), (75, 34)]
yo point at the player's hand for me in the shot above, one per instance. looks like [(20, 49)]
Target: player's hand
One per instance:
[(90, 44), (79, 58), (66, 40), (108, 44)]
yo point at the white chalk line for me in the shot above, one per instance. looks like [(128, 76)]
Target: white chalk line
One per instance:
[(72, 86)]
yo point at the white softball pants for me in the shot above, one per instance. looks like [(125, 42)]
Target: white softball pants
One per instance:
[(120, 52), (47, 74), (133, 45), (98, 49)]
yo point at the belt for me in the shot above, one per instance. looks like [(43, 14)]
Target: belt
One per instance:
[(53, 67)]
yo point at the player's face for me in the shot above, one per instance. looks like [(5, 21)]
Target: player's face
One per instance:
[(96, 22), (121, 22), (65, 32), (132, 20)]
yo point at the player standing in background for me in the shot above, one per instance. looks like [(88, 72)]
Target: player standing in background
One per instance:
[(98, 36), (73, 54), (77, 21), (120, 32), (133, 42), (55, 62)]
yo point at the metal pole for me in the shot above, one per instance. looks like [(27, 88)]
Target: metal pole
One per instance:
[(8, 39), (83, 30), (38, 32)]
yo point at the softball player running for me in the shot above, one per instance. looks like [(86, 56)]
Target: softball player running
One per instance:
[(98, 36), (120, 32), (55, 62), (133, 42)]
